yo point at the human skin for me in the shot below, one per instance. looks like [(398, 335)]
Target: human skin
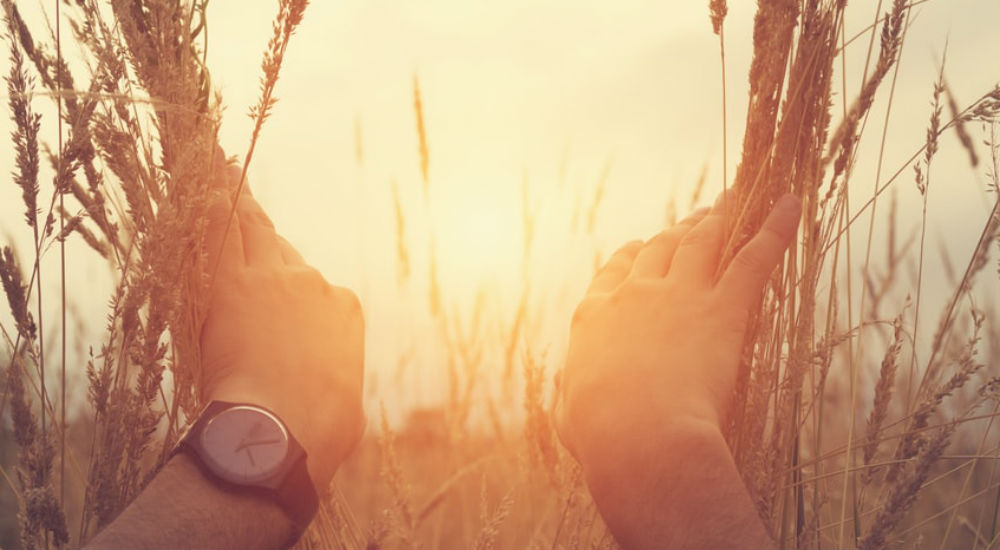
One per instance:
[(276, 335), (653, 355), (653, 358)]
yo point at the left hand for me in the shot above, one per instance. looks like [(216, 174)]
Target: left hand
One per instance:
[(279, 335)]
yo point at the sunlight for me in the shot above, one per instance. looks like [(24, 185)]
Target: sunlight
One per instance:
[(480, 240), (451, 176)]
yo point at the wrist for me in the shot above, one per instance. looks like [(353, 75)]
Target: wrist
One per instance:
[(636, 452), (676, 487)]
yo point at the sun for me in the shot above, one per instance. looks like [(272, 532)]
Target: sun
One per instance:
[(479, 239)]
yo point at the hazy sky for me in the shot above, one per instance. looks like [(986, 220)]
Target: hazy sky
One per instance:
[(514, 91)]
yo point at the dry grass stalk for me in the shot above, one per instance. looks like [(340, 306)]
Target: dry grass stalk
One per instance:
[(17, 295), (599, 191), (717, 10), (138, 188), (26, 126), (845, 138), (965, 367), (418, 109), (903, 493), (290, 13), (699, 187), (402, 514), (883, 396), (155, 238), (538, 432), (41, 519), (492, 521), (402, 250), (961, 131)]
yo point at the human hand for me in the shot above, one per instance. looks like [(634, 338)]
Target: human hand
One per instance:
[(656, 341), (278, 335)]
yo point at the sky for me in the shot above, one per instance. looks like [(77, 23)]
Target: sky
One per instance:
[(550, 93)]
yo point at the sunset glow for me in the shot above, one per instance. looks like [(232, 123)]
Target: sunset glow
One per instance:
[(427, 202)]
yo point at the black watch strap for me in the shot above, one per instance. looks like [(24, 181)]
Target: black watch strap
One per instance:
[(298, 498)]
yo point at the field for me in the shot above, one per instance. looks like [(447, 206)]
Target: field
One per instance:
[(467, 203)]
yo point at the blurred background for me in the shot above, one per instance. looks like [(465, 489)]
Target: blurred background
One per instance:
[(585, 123)]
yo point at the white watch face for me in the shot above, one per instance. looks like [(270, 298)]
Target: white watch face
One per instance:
[(246, 444)]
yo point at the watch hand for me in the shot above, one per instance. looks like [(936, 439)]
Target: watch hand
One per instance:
[(243, 442), (250, 455), (261, 442)]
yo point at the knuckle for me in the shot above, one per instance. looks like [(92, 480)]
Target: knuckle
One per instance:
[(260, 218), (308, 276), (349, 301), (666, 236), (663, 235), (630, 247), (617, 264), (250, 211), (624, 255), (583, 311), (633, 289), (296, 280), (614, 268), (749, 261), (232, 174), (701, 236), (288, 246), (694, 217)]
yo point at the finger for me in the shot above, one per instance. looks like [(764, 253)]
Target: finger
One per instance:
[(616, 269), (654, 258), (223, 238), (260, 242), (744, 279), (223, 245), (230, 172), (289, 254), (697, 254)]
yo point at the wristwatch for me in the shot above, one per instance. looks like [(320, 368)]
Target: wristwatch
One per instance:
[(245, 447)]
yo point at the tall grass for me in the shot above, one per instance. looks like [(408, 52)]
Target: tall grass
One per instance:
[(844, 434)]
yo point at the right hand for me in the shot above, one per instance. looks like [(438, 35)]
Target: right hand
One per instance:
[(279, 335), (655, 344)]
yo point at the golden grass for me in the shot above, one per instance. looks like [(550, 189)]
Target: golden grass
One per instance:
[(826, 465)]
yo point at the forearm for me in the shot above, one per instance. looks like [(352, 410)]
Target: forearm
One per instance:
[(181, 508), (681, 490)]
